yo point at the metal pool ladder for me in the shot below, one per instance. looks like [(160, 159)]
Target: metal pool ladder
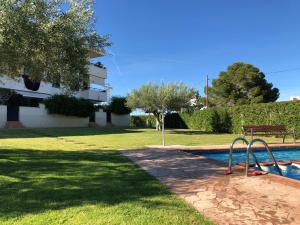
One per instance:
[(231, 151), (249, 150)]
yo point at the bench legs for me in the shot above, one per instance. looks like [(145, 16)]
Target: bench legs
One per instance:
[(244, 136), (294, 136)]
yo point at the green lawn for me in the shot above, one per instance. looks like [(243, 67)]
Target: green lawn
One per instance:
[(76, 176)]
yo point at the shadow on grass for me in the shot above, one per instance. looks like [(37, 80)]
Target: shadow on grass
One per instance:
[(34, 181), (58, 132)]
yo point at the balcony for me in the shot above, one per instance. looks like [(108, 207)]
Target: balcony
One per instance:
[(94, 95), (97, 72)]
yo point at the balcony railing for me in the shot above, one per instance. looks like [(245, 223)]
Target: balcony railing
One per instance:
[(96, 71), (94, 94)]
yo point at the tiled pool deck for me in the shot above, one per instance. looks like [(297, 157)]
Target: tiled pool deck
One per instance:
[(232, 199)]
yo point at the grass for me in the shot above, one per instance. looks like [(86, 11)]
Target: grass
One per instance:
[(112, 138), (76, 176)]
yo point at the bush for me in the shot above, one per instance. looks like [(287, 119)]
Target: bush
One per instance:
[(232, 119), (118, 106), (142, 121), (224, 121), (172, 120), (210, 120), (276, 113), (69, 106)]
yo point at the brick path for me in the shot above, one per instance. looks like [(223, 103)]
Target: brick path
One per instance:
[(232, 199)]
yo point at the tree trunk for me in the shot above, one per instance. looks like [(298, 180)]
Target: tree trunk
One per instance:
[(158, 124)]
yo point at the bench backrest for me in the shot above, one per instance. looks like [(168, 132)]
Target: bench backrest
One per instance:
[(265, 128)]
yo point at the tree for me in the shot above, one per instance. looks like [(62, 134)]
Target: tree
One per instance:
[(118, 105), (161, 99), (48, 40), (242, 84)]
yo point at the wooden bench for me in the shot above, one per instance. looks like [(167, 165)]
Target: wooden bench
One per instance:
[(267, 130)]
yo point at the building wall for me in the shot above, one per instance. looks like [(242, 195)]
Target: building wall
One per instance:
[(294, 98), (18, 84), (38, 117), (97, 80), (96, 71), (94, 95), (100, 118), (97, 75), (3, 117), (120, 120)]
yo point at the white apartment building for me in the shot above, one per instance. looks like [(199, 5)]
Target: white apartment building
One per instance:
[(97, 91), (20, 115), (294, 98)]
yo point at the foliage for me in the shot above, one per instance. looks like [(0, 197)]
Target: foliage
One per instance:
[(69, 106), (224, 121), (142, 121), (210, 120), (232, 119), (172, 120), (241, 84), (277, 113), (118, 106), (48, 40), (160, 99)]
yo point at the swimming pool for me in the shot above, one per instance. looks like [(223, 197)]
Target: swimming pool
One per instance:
[(262, 156)]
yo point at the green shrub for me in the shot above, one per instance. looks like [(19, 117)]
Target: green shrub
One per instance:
[(232, 119), (205, 120), (118, 106), (174, 120), (69, 106), (276, 113), (224, 123), (142, 121)]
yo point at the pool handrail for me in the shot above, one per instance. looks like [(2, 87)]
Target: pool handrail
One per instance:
[(249, 149), (231, 151)]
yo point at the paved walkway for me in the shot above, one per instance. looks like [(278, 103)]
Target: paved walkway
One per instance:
[(232, 199)]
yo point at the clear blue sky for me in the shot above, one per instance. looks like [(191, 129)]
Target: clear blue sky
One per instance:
[(183, 40)]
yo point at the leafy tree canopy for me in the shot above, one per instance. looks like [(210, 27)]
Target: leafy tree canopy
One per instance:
[(49, 40), (241, 84), (118, 105), (160, 99)]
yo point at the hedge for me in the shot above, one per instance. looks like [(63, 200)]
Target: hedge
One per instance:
[(232, 119), (210, 120), (172, 120), (276, 113), (69, 106), (142, 121), (118, 106)]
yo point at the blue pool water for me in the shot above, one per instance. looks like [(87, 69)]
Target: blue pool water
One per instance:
[(262, 156)]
